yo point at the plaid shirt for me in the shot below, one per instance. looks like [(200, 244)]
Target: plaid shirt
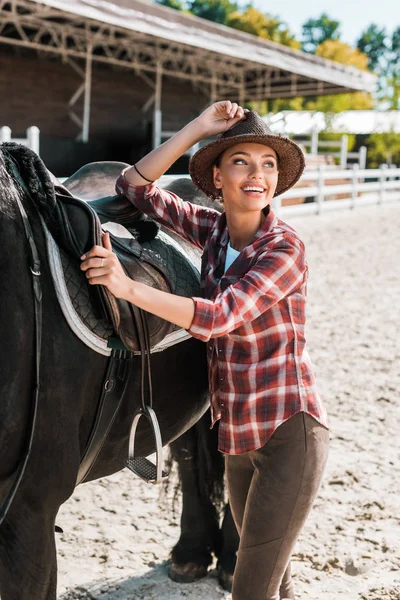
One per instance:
[(252, 318)]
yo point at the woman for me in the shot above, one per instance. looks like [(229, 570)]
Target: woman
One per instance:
[(273, 426)]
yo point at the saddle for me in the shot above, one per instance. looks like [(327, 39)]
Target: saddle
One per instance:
[(77, 211), (86, 204)]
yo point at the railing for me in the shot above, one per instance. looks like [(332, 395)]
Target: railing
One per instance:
[(31, 140), (335, 148), (364, 187)]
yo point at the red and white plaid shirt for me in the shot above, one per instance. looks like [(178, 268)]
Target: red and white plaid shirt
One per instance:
[(252, 318)]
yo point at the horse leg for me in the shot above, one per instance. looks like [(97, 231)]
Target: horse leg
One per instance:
[(228, 554), (28, 564), (200, 535)]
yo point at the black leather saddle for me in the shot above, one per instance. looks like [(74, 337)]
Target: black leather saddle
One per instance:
[(74, 213), (85, 202)]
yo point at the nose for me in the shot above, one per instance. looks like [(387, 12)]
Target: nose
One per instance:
[(256, 171)]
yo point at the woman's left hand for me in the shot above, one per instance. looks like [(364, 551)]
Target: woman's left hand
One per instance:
[(102, 267)]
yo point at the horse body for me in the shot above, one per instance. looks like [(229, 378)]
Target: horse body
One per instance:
[(71, 377)]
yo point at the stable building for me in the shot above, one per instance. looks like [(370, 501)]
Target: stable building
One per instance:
[(108, 80)]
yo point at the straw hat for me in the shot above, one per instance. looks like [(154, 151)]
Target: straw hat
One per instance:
[(253, 129)]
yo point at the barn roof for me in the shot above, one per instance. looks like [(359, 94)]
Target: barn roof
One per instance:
[(147, 37)]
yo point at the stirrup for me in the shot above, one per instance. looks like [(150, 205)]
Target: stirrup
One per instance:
[(141, 466)]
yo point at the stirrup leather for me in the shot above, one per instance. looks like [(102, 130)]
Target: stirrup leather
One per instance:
[(141, 466)]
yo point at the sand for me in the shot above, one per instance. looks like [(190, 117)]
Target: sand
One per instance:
[(118, 534)]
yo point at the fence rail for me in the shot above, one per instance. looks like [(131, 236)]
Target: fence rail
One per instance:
[(363, 187)]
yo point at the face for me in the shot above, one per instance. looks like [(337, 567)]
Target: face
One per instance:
[(247, 176)]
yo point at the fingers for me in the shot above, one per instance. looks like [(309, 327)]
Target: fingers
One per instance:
[(107, 241), (97, 262), (235, 111), (96, 251)]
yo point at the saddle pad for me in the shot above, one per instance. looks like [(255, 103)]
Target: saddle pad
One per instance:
[(73, 292)]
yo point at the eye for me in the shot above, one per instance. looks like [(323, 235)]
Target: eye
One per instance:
[(239, 161), (270, 164)]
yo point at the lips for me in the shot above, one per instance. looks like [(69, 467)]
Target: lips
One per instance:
[(253, 189)]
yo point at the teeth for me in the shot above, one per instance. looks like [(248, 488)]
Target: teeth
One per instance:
[(253, 189)]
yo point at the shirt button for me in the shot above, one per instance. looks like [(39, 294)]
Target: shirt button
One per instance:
[(210, 347), (222, 405)]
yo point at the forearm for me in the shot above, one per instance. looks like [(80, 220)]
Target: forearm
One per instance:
[(172, 308), (154, 164)]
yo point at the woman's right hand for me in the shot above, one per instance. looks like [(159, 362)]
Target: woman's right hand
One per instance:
[(220, 117)]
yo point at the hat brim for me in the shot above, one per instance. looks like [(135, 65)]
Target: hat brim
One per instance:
[(290, 157)]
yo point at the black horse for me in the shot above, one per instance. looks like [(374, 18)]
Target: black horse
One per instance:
[(71, 378)]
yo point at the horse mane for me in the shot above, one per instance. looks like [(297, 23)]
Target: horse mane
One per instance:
[(34, 174), (9, 191)]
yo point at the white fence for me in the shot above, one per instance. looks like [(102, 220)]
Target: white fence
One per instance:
[(31, 140), (363, 187)]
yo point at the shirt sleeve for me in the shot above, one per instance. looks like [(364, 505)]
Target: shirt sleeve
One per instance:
[(278, 272), (190, 221)]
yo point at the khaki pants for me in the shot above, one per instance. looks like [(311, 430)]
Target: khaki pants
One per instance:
[(271, 491)]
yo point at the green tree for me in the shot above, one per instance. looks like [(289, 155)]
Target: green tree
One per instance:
[(317, 31), (177, 4), (213, 10), (383, 51), (383, 148), (373, 42), (262, 25)]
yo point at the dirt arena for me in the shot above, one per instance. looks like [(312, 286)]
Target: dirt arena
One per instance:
[(118, 535)]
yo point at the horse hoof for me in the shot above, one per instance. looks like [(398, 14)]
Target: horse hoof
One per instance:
[(225, 580), (186, 573)]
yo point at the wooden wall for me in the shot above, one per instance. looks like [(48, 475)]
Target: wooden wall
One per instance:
[(35, 90)]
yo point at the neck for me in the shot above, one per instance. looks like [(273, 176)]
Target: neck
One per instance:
[(242, 228)]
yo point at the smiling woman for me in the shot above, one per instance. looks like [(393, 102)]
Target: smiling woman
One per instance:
[(273, 425)]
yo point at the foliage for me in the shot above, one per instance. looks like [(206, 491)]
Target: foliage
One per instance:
[(317, 31), (176, 4), (384, 58), (342, 53), (213, 10), (373, 43), (383, 148), (262, 25)]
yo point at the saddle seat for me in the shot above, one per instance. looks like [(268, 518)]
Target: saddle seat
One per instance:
[(85, 207)]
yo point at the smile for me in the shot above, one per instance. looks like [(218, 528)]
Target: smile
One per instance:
[(253, 189)]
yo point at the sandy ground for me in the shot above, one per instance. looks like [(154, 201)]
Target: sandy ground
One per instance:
[(117, 533)]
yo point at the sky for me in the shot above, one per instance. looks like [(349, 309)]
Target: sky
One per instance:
[(353, 15)]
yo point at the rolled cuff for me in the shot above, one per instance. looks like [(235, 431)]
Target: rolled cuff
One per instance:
[(203, 320)]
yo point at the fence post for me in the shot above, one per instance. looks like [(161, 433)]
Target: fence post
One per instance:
[(33, 135), (321, 181), (362, 157), (314, 140), (354, 184), (5, 134), (344, 144), (382, 180)]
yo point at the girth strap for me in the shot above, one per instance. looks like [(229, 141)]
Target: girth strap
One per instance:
[(37, 294)]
